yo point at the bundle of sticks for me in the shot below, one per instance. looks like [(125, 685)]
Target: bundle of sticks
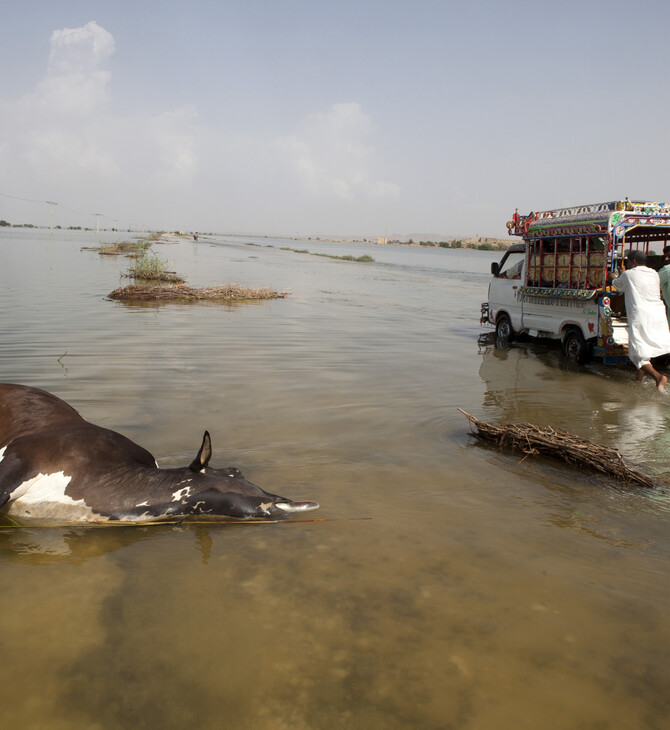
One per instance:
[(534, 440)]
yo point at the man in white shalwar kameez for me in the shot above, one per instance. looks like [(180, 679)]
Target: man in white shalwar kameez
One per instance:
[(648, 331)]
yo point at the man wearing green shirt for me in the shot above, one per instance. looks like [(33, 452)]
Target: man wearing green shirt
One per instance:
[(664, 276)]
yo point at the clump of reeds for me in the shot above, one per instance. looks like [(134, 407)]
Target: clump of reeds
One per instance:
[(225, 293), (139, 248), (535, 440), (150, 267), (359, 259)]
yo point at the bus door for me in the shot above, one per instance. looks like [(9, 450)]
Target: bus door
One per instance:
[(508, 277)]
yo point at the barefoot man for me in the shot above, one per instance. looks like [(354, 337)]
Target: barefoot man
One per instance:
[(648, 332)]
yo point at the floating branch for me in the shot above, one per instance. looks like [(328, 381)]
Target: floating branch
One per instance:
[(534, 440)]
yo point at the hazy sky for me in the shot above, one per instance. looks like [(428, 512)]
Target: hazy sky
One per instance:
[(350, 117)]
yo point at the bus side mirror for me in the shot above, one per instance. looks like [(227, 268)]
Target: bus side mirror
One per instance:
[(495, 268)]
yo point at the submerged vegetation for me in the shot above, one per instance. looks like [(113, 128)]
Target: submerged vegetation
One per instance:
[(148, 265), (225, 293), (121, 248), (359, 259), (168, 286)]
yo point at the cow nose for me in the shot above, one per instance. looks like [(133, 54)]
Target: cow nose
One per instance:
[(290, 507)]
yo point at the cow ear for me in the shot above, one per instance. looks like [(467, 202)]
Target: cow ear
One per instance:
[(204, 455)]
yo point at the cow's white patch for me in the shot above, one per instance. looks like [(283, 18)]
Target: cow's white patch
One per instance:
[(44, 488), (44, 496), (185, 492), (2, 452)]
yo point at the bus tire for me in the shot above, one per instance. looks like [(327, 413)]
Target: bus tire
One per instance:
[(575, 348), (504, 330)]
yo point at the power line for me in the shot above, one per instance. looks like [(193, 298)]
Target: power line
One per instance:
[(28, 200), (49, 202), (62, 207)]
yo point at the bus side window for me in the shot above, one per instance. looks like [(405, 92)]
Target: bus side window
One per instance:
[(511, 265)]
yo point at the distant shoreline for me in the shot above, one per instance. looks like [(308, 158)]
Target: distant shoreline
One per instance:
[(472, 243), (486, 243)]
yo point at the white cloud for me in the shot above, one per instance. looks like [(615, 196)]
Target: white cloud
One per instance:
[(172, 135), (77, 80), (60, 131), (79, 49), (67, 142), (332, 157), (49, 150)]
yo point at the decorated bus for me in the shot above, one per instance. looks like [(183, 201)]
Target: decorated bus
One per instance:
[(553, 283)]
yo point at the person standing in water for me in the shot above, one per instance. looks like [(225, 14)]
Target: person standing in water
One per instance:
[(664, 276), (648, 331)]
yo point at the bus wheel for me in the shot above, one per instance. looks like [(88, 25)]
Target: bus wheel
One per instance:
[(504, 329), (575, 348)]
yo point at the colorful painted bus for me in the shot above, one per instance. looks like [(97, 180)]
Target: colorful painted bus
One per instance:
[(553, 284)]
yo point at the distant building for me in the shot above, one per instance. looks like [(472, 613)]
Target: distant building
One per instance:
[(382, 240)]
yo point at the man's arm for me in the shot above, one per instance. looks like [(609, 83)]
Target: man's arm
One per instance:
[(619, 282)]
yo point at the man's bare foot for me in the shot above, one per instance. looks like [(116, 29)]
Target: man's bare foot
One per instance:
[(639, 375), (660, 385)]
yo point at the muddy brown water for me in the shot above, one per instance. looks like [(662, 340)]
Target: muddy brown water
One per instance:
[(479, 592)]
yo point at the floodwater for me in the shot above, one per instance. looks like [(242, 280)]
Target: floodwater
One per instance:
[(450, 585)]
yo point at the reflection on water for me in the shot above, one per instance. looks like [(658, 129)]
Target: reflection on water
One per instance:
[(482, 593), (601, 403)]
